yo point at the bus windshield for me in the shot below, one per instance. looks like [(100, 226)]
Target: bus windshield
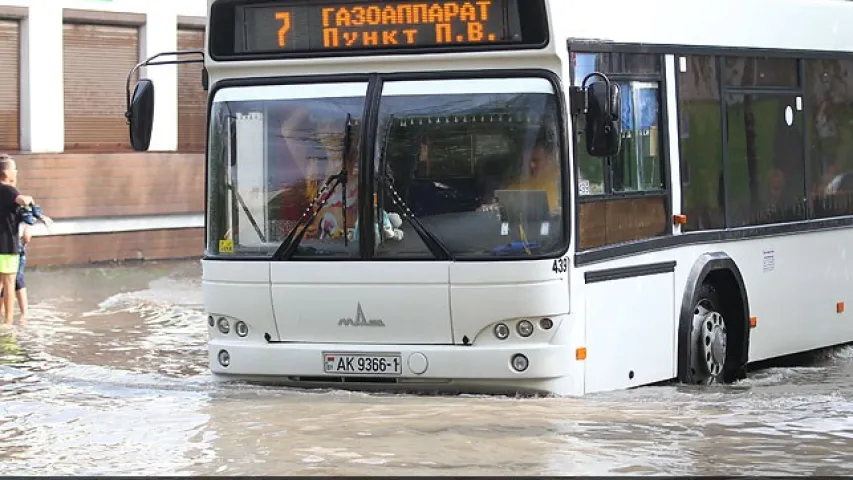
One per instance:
[(467, 168)]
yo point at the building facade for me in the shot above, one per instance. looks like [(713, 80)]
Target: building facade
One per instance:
[(63, 72)]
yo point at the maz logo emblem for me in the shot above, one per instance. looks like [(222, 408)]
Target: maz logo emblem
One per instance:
[(360, 320)]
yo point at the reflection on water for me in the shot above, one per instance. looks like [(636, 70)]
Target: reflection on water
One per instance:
[(10, 351), (110, 377)]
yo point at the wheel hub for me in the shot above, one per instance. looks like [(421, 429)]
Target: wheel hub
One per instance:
[(708, 338), (713, 343)]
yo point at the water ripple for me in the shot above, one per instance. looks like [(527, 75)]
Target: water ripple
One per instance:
[(110, 378)]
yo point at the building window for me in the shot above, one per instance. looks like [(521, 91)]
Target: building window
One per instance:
[(192, 99), (97, 59), (10, 62)]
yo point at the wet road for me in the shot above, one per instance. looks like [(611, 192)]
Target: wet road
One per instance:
[(109, 377)]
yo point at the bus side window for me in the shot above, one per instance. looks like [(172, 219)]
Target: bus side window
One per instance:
[(764, 148), (610, 211), (830, 126), (701, 143)]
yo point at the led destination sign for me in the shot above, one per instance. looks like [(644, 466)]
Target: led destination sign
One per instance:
[(316, 27)]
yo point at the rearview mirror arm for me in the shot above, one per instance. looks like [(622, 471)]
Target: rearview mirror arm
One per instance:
[(151, 61), (606, 81)]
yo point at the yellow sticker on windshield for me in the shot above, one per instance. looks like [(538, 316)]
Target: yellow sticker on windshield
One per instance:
[(226, 246)]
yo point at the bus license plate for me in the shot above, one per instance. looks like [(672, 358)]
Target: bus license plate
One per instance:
[(362, 364)]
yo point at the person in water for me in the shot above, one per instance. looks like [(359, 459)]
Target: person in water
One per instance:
[(11, 201), (27, 216)]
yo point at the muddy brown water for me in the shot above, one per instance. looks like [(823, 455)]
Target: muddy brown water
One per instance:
[(109, 376)]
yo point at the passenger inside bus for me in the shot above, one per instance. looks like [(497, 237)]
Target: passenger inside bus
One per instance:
[(305, 155), (542, 174), (442, 172)]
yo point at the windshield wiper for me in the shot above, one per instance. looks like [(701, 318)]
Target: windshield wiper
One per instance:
[(291, 243), (438, 249)]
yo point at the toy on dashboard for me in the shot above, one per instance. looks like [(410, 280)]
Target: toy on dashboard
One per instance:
[(388, 227), (391, 223)]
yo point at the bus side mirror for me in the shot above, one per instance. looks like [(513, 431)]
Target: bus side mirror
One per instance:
[(603, 122), (140, 115)]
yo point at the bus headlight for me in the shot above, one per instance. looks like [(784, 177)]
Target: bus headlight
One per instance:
[(525, 328), (241, 328), (223, 325), (501, 331)]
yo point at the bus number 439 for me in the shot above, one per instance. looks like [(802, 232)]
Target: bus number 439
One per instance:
[(561, 265)]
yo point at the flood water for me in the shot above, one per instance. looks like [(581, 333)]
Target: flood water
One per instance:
[(109, 377)]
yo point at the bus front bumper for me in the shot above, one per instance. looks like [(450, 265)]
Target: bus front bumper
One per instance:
[(303, 363)]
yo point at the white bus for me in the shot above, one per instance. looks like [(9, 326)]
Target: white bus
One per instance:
[(545, 196)]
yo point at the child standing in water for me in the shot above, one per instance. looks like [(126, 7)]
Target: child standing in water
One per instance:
[(28, 217), (20, 286)]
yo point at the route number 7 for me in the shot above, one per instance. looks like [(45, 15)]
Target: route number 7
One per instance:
[(286, 23)]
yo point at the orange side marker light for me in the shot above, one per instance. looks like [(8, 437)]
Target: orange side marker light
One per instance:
[(839, 307), (580, 353), (753, 322)]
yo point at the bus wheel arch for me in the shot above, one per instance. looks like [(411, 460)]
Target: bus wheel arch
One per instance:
[(713, 321)]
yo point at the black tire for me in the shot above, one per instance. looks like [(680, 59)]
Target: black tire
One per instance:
[(711, 326)]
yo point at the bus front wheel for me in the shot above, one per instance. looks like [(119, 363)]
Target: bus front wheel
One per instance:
[(713, 356)]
